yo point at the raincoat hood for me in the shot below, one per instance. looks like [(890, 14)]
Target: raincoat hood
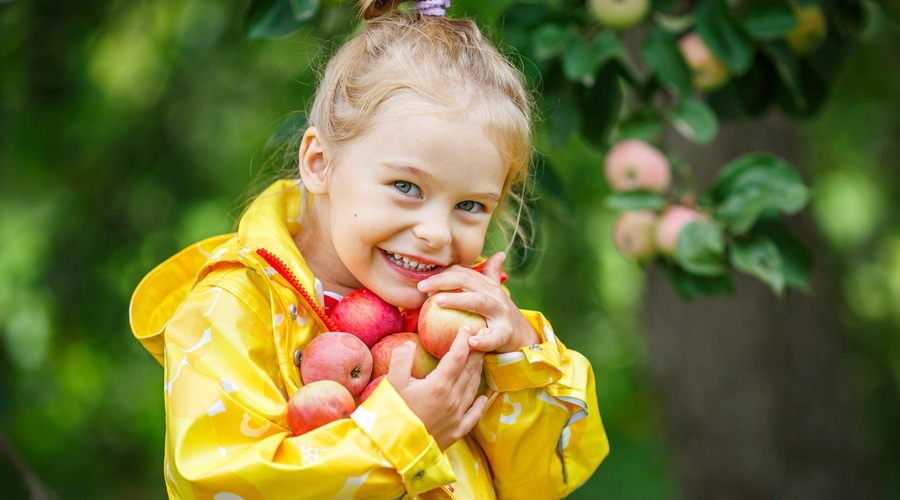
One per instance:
[(270, 223)]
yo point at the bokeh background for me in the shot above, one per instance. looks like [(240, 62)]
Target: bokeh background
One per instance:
[(130, 129)]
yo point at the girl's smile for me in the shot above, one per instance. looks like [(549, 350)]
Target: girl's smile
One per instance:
[(411, 197), (414, 265)]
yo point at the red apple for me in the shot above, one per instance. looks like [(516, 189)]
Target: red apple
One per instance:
[(707, 71), (633, 165), (409, 319), (338, 356), (670, 225), (370, 388), (423, 361), (318, 403), (633, 234), (366, 315), (438, 326), (619, 14)]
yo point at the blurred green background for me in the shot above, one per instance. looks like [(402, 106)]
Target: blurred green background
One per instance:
[(129, 130)]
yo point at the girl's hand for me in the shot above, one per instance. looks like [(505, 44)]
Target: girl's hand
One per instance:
[(445, 399), (507, 329)]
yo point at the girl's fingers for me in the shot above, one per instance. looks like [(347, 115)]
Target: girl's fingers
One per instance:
[(473, 414), (452, 364), (492, 267), (400, 369), (458, 278), (480, 303), (486, 340)]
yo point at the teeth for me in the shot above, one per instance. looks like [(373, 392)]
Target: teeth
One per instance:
[(400, 260)]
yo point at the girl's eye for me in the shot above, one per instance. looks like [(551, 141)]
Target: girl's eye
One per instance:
[(407, 188), (470, 206)]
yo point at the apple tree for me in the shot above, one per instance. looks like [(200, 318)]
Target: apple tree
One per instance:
[(618, 73)]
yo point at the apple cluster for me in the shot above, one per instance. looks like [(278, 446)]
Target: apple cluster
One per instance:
[(635, 166), (709, 72), (340, 369)]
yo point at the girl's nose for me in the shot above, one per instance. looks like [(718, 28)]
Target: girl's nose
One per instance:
[(434, 228)]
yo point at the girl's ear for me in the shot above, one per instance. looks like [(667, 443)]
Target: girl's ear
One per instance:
[(313, 166)]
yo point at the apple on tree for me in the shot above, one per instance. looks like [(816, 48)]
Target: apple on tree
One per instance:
[(366, 315), (338, 356), (423, 361), (633, 234), (670, 225), (438, 325), (635, 165), (708, 72), (318, 403), (619, 14)]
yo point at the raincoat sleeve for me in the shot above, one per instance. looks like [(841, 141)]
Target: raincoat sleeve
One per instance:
[(225, 406), (541, 430)]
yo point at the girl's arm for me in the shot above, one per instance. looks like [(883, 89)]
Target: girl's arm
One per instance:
[(541, 429), (542, 411), (225, 402)]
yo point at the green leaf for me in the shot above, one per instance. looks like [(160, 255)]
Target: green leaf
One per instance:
[(646, 125), (673, 23), (690, 286), (695, 120), (578, 62), (550, 39), (582, 59), (700, 249), (768, 19), (660, 50), (277, 18), (756, 183), (758, 256), (608, 46), (796, 257), (788, 69), (635, 200), (746, 96), (724, 36), (599, 107)]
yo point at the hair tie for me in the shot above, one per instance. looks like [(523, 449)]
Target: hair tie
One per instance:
[(432, 7)]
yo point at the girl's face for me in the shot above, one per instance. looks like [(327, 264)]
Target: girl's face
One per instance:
[(411, 197)]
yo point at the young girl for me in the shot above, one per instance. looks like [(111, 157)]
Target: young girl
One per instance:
[(417, 133)]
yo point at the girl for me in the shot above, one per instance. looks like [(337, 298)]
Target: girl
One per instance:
[(417, 132)]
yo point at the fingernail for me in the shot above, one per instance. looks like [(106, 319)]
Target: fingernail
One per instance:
[(467, 329)]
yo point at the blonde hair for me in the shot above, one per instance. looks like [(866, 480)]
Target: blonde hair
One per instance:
[(400, 55)]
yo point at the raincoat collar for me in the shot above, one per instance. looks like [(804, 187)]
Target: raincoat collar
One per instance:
[(271, 222)]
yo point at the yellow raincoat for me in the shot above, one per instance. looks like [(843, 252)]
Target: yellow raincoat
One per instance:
[(227, 316)]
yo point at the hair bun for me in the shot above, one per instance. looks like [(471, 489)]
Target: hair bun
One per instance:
[(377, 8)]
